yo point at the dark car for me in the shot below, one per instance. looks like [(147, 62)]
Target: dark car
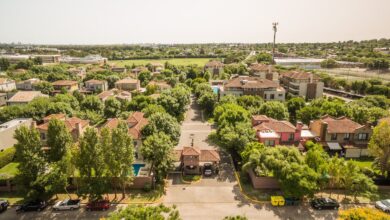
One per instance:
[(208, 169), (324, 203), (36, 205), (3, 205), (98, 205)]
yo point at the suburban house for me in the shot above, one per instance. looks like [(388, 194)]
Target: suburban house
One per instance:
[(135, 123), (128, 84), (75, 126), (264, 71), (24, 97), (7, 131), (302, 84), (68, 85), (337, 134), (245, 85), (161, 85), (118, 94), (3, 99), (193, 159), (156, 67), (94, 85), (137, 70), (118, 69), (273, 132), (27, 84), (214, 67), (80, 72), (7, 85)]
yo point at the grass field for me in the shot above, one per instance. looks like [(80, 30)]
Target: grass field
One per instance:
[(9, 170), (178, 61)]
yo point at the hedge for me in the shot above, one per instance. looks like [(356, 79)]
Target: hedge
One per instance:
[(7, 156)]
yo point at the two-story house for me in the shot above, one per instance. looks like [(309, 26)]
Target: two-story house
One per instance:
[(264, 71), (28, 84), (338, 134), (94, 85), (302, 84), (192, 159), (24, 97), (273, 132), (128, 84), (75, 126), (67, 85), (135, 123), (215, 67), (7, 85), (244, 85)]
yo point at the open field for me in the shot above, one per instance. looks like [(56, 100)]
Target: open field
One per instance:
[(178, 61), (353, 74)]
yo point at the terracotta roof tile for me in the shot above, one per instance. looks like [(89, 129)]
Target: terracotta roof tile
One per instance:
[(64, 83), (191, 151), (209, 156), (340, 125), (251, 82), (255, 67), (274, 125), (26, 96), (300, 75)]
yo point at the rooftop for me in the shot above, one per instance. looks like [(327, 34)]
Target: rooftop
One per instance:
[(25, 96), (214, 63), (250, 82), (340, 125), (13, 123), (300, 75), (64, 83)]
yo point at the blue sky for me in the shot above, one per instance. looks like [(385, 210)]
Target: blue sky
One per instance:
[(191, 21)]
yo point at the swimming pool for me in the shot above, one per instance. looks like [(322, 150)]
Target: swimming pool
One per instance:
[(137, 167), (215, 89)]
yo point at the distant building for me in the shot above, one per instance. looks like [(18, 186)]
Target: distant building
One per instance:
[(305, 63), (138, 69), (7, 131), (48, 58), (214, 67), (244, 85), (90, 59), (7, 85), (16, 58), (75, 126), (264, 71), (96, 85), (156, 67), (342, 135), (161, 85), (128, 84), (302, 84), (27, 85), (80, 72), (119, 69), (68, 85), (24, 97), (273, 132)]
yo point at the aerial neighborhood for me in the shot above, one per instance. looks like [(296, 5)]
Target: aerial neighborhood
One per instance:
[(170, 131)]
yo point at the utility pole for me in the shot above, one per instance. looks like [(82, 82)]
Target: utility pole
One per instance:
[(275, 28)]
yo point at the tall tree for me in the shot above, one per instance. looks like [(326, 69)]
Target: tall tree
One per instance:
[(31, 160), (112, 108), (379, 147), (163, 122), (58, 140), (274, 109), (157, 149), (294, 105)]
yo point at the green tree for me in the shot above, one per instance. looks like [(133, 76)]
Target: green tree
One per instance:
[(151, 109), (235, 138), (31, 160), (379, 147), (112, 108), (92, 103), (329, 63), (175, 101), (162, 122), (44, 87), (264, 58), (144, 77), (294, 105), (157, 149), (4, 64), (274, 109), (250, 102), (207, 102), (58, 140), (308, 113), (139, 102)]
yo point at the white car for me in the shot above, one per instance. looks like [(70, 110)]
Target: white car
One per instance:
[(67, 204), (383, 205)]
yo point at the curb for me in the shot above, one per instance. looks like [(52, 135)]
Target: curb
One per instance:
[(190, 182), (244, 193)]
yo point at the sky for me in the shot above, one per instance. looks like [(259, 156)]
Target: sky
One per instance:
[(191, 21)]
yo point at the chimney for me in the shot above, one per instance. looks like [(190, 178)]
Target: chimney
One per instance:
[(324, 128), (79, 129)]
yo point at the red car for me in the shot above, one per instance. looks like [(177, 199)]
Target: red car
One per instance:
[(98, 205)]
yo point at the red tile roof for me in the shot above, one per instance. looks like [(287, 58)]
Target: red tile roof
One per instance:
[(261, 67), (209, 156), (300, 75), (64, 83), (340, 125), (274, 125), (190, 151), (136, 121), (251, 82), (70, 123)]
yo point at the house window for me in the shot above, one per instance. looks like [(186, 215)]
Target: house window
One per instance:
[(291, 137), (363, 136), (265, 96), (43, 136), (346, 136), (280, 95), (269, 142), (333, 137), (272, 96)]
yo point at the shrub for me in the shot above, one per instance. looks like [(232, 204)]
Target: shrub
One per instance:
[(147, 187), (7, 156)]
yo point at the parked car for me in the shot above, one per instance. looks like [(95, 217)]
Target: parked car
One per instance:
[(3, 205), (67, 204), (208, 169), (324, 203), (383, 205), (36, 205), (98, 205)]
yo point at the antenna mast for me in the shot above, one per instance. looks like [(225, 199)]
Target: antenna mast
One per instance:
[(275, 28)]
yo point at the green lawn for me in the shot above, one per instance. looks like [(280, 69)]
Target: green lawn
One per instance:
[(177, 61), (9, 170)]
